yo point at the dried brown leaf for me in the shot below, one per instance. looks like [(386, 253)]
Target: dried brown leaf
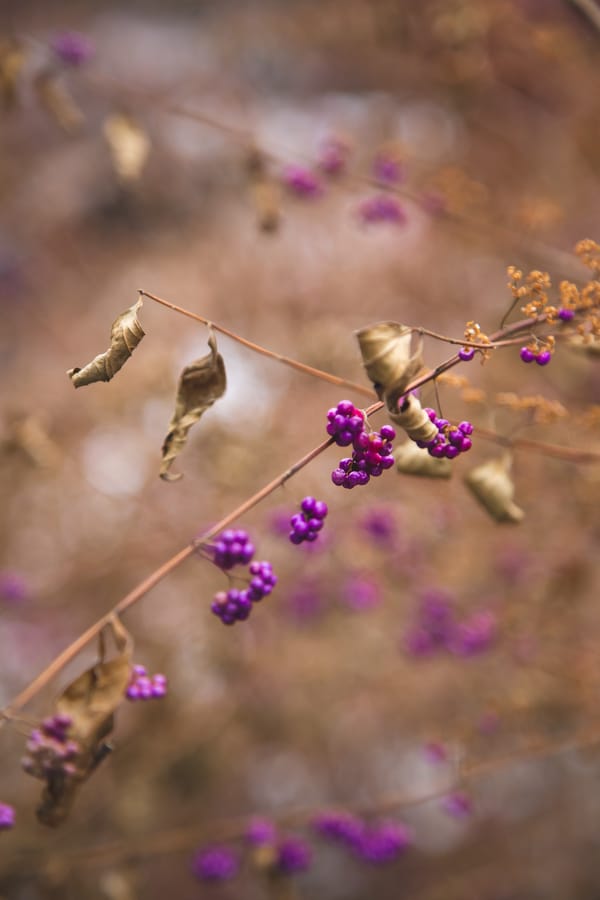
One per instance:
[(90, 702), (414, 420), (12, 60), (129, 146), (56, 99), (200, 384), (389, 359), (492, 485), (412, 460), (125, 334)]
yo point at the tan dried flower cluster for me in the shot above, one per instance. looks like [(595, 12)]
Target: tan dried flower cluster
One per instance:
[(588, 252), (590, 417), (544, 411), (533, 292)]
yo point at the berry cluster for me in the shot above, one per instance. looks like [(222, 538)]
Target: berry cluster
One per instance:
[(234, 605), (541, 357), (7, 817), (345, 423), (307, 524), (50, 749), (379, 842), (233, 548), (450, 441), (372, 454), (145, 687)]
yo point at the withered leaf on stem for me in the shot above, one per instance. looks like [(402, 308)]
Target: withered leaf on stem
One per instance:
[(412, 460), (12, 60), (200, 385), (389, 359), (493, 487), (129, 146), (58, 102), (90, 703), (125, 334)]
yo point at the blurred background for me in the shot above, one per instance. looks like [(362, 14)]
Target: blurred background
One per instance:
[(294, 171)]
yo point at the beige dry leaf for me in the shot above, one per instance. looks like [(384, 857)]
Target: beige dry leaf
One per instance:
[(12, 60), (492, 485), (125, 334), (414, 420), (56, 100), (388, 358), (412, 460), (90, 702), (200, 385), (129, 146)]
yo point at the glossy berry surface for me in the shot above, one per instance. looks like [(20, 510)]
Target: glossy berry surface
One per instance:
[(527, 355), (450, 441), (345, 423), (307, 524), (145, 687), (233, 547), (466, 354), (371, 456)]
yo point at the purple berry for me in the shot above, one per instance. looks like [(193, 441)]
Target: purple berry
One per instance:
[(527, 355), (215, 864), (565, 315), (543, 358), (7, 817), (466, 353)]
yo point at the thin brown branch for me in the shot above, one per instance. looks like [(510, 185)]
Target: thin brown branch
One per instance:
[(257, 348), (569, 454), (590, 10)]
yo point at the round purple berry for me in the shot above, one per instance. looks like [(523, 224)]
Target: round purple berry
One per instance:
[(543, 358), (565, 315), (527, 355), (466, 353)]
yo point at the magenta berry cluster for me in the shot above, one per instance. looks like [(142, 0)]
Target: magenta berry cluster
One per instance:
[(145, 687), (450, 441), (542, 358), (307, 524), (50, 750), (7, 817), (233, 548), (345, 423), (234, 605), (372, 452), (375, 842)]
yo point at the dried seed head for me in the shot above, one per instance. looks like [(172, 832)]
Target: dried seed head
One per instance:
[(492, 485)]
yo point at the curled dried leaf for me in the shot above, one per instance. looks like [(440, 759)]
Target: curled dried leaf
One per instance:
[(129, 146), (389, 359), (125, 334), (265, 194), (56, 99), (412, 460), (12, 60), (201, 384), (88, 704), (491, 484), (414, 420)]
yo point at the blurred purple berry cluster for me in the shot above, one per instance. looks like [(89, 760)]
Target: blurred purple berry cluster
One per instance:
[(438, 629), (7, 817), (50, 750), (378, 842), (145, 687), (450, 441), (307, 524), (381, 208), (72, 48)]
